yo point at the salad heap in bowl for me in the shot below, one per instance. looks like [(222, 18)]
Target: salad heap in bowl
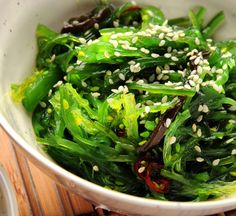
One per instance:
[(137, 103)]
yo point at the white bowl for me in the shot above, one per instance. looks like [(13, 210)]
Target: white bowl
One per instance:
[(8, 204), (18, 20)]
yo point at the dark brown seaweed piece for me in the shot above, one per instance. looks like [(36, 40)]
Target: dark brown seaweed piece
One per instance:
[(160, 129), (83, 23)]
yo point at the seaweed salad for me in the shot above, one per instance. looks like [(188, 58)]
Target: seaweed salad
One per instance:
[(136, 102)]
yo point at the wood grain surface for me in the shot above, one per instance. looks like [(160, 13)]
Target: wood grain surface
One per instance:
[(37, 194)]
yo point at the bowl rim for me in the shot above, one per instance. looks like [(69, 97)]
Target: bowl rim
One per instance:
[(131, 199)]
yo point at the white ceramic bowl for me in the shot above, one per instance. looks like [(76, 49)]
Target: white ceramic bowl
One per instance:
[(8, 204), (18, 20)]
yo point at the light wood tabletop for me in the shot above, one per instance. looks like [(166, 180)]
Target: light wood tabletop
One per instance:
[(37, 194)]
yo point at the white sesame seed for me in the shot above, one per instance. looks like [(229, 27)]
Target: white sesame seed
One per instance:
[(199, 159), (205, 108), (154, 55), (121, 88), (199, 69), (75, 22), (70, 68), (170, 34), (138, 105), (106, 54), (82, 40), (158, 70), (161, 36), (132, 62), (116, 23), (212, 48), (78, 62), (152, 78), (229, 140), (117, 71), (200, 108), (96, 26), (209, 40), (199, 132), (140, 82), (172, 140), (232, 108), (187, 86), (165, 71), (135, 68), (162, 43), (168, 122), (108, 73), (197, 88), (167, 67), (122, 76), (43, 104), (233, 152), (197, 149), (111, 81), (226, 55), (167, 55), (215, 162), (114, 43), (117, 54), (125, 46), (216, 87), (146, 51), (95, 94), (160, 76), (219, 71), (50, 93), (192, 57), (197, 60), (134, 40), (147, 109), (197, 41), (60, 82), (164, 99), (225, 66), (149, 102), (179, 87), (169, 49), (95, 168), (174, 58), (53, 58), (165, 77), (84, 84), (176, 37), (165, 22), (141, 169), (194, 128), (199, 119), (135, 23), (192, 83), (132, 48)]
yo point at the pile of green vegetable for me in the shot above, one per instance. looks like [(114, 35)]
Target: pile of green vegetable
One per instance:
[(137, 103)]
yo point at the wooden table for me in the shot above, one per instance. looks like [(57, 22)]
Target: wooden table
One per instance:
[(37, 194)]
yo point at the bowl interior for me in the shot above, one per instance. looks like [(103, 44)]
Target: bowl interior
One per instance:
[(18, 21)]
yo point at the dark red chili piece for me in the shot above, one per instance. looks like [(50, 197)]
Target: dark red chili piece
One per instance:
[(153, 180), (121, 132), (140, 168), (133, 8)]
